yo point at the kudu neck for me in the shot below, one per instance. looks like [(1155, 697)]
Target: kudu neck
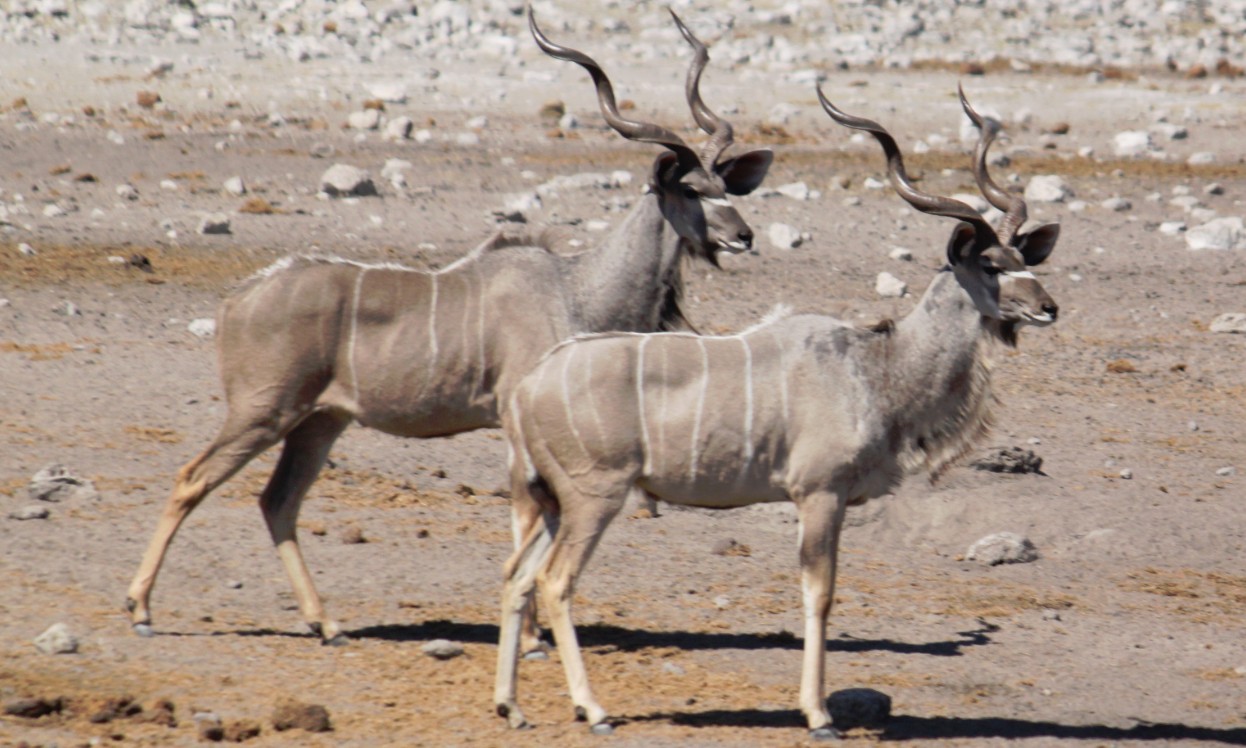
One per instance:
[(941, 383), (624, 281)]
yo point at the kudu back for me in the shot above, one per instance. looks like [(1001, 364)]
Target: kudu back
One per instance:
[(311, 345), (805, 408)]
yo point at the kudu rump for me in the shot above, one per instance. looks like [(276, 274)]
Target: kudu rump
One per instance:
[(806, 408), (312, 344)]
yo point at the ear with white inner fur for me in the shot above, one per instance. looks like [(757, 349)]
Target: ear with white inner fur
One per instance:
[(744, 173), (1036, 245)]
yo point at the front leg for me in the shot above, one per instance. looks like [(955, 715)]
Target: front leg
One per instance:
[(821, 519)]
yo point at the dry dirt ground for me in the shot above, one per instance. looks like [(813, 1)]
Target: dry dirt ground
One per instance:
[(1127, 631)]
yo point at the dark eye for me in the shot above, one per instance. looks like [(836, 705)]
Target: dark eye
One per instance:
[(991, 270), (691, 193)]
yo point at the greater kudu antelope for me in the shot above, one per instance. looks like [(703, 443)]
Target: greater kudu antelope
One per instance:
[(806, 408), (312, 344)]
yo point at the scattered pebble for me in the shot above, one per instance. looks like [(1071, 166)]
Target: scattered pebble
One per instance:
[(1002, 548), (890, 287), (442, 649), (57, 639), (292, 714), (783, 236)]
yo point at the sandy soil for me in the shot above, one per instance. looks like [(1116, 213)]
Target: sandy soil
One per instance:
[(1127, 631)]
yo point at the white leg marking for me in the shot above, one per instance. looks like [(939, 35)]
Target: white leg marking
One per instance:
[(566, 402), (640, 403), (354, 328), (696, 425)]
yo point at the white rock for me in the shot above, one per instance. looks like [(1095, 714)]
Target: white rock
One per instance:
[(794, 190), (235, 186), (890, 287), (204, 327), (366, 119), (871, 183), (54, 483), (1002, 548), (398, 128), (214, 223), (31, 511), (442, 649), (1229, 322), (568, 121), (783, 236), (1131, 143), (25, 250), (1047, 188), (344, 180), (57, 640), (1200, 158), (477, 123), (584, 180), (1172, 228), (391, 92), (1222, 233), (901, 254), (52, 210), (127, 192), (1117, 204)]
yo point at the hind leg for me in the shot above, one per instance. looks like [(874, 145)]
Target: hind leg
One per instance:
[(238, 443), (304, 454)]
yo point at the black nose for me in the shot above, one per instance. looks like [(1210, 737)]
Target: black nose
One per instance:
[(1051, 309), (746, 236)]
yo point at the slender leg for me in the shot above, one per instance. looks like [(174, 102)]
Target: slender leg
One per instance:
[(584, 519), (525, 515), (240, 440), (821, 519), (520, 580), (304, 454)]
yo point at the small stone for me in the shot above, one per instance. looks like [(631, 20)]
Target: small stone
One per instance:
[(1201, 158), (57, 640), (352, 535), (234, 584), (672, 669), (127, 192), (1047, 188), (901, 254), (292, 714), (398, 128), (859, 707), (783, 236), (890, 287), (1117, 204), (344, 180), (1126, 474), (794, 190), (214, 223), (1131, 143), (1219, 234), (1002, 548), (235, 186), (367, 119), (33, 708), (1225, 472), (1172, 228), (54, 483), (25, 250), (442, 649), (1231, 322), (204, 327), (240, 731), (1010, 460), (32, 511)]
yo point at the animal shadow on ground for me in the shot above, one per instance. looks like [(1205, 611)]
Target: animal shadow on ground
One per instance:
[(622, 639)]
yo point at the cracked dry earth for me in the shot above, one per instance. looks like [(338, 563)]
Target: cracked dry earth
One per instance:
[(1126, 631)]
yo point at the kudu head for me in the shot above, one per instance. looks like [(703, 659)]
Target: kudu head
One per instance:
[(692, 189), (990, 269)]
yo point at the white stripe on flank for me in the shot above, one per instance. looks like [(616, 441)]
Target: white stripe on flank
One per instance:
[(783, 393), (432, 332), (480, 332), (354, 328), (592, 401), (566, 402), (1020, 274), (640, 404), (748, 407), (696, 425)]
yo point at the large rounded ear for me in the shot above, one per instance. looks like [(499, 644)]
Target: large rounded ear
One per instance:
[(666, 169), (744, 173), (961, 244), (1035, 245)]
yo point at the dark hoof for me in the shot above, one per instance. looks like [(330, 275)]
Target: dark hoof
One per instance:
[(339, 640), (602, 728), (130, 604), (824, 733), (144, 630)]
